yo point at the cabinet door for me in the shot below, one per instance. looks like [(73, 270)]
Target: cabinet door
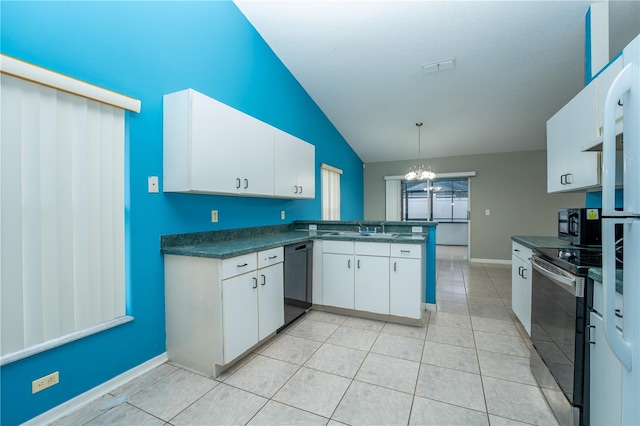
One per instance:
[(568, 132), (337, 280), (286, 169), (215, 145), (603, 82), (521, 291), (270, 300), (239, 314), (372, 284), (306, 169), (404, 288), (257, 157), (606, 378)]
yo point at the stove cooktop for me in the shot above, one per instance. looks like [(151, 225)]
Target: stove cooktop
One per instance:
[(575, 259)]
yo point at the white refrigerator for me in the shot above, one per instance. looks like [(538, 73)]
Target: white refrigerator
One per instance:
[(624, 344)]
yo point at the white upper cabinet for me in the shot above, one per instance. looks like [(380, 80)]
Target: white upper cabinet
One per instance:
[(210, 147), (568, 131), (294, 167)]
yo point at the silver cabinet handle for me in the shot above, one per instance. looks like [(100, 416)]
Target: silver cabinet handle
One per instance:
[(242, 266), (237, 183), (300, 189), (273, 257), (395, 266), (255, 282), (246, 183), (358, 263), (589, 328), (349, 264), (264, 279), (524, 273), (295, 191)]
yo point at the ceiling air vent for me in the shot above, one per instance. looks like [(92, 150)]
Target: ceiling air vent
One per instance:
[(448, 64)]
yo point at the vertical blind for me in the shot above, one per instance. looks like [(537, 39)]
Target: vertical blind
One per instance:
[(330, 192), (62, 218)]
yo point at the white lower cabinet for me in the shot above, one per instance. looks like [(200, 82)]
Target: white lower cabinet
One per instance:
[(521, 284), (380, 278), (372, 284), (239, 314), (337, 278), (270, 300), (216, 310), (405, 289)]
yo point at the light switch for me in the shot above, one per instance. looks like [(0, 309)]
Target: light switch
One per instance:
[(282, 215), (487, 212), (153, 184), (214, 216)]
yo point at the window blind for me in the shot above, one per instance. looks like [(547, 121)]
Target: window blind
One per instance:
[(62, 248), (330, 192)]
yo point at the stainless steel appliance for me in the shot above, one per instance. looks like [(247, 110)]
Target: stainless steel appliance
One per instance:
[(298, 276), (580, 227), (560, 303)]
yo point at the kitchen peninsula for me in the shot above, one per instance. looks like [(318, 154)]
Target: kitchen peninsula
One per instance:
[(216, 311)]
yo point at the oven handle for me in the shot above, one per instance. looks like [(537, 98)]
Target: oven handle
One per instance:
[(565, 279)]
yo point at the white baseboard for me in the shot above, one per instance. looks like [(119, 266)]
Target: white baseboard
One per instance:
[(429, 307), (91, 395), (494, 261)]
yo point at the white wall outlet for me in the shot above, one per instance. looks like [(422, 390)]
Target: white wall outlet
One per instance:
[(487, 212), (282, 215), (44, 382), (313, 227), (153, 184), (214, 216), (416, 229)]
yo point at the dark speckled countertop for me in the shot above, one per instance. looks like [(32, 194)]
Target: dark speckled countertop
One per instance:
[(596, 275), (534, 242), (235, 242)]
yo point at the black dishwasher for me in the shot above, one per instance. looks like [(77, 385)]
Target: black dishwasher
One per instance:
[(298, 273)]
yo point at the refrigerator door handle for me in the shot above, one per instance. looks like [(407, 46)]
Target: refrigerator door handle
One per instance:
[(620, 347), (621, 84)]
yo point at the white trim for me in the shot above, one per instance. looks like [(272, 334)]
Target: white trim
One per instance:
[(494, 261), (330, 168), (432, 307), (91, 395), (438, 175), (54, 343), (45, 77)]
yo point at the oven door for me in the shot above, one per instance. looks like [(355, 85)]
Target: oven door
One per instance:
[(558, 315)]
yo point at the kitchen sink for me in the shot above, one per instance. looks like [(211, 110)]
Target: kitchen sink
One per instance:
[(364, 234)]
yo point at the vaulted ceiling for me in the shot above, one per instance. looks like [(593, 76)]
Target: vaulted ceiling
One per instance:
[(516, 64)]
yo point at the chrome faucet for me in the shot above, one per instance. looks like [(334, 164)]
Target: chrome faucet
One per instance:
[(382, 224)]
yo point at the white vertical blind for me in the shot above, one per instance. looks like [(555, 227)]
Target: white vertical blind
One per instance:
[(330, 192), (393, 199), (62, 217)]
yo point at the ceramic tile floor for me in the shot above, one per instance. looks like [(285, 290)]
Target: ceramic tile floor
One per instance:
[(467, 365)]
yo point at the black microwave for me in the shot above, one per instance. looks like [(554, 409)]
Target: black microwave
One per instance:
[(580, 227)]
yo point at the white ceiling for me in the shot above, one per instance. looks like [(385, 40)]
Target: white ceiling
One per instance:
[(517, 63)]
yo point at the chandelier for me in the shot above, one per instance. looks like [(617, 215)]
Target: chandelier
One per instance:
[(419, 171)]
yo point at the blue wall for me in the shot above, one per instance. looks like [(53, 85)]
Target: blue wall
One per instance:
[(144, 50)]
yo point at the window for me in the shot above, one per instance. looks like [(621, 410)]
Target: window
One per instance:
[(442, 200), (62, 222), (330, 192)]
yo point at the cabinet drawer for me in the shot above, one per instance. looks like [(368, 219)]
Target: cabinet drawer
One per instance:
[(339, 247), (411, 251), (270, 257), (521, 251), (372, 249), (239, 265)]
